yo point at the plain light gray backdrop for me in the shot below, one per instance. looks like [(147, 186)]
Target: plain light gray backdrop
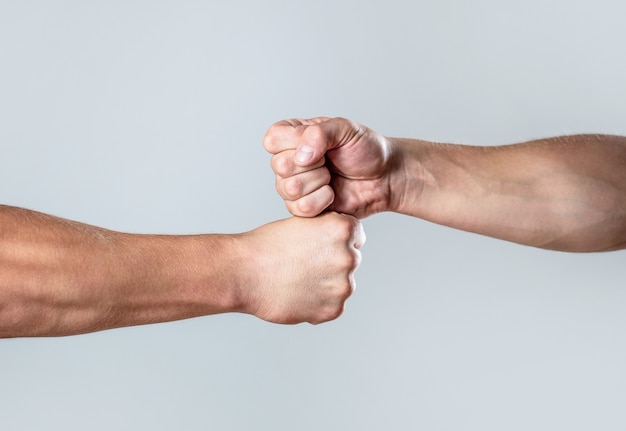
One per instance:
[(148, 116)]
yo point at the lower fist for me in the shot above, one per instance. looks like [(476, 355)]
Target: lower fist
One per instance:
[(302, 269)]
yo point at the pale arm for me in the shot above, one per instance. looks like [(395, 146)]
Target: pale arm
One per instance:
[(59, 277), (566, 193)]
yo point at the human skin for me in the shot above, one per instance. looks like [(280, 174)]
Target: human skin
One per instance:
[(60, 277), (563, 193)]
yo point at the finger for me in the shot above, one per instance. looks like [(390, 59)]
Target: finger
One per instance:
[(283, 164), (297, 186), (359, 235), (356, 233), (357, 261), (285, 135), (313, 203)]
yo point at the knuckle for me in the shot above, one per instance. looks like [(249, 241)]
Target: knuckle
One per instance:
[(343, 120), (347, 289), (295, 208), (345, 227), (292, 208), (331, 313), (314, 133), (267, 141), (293, 188), (314, 203), (351, 124), (280, 187), (356, 259), (281, 165), (335, 314), (305, 207), (348, 261)]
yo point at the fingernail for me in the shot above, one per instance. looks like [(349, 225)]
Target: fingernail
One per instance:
[(304, 154)]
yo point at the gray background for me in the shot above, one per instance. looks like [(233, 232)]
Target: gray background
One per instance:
[(147, 116)]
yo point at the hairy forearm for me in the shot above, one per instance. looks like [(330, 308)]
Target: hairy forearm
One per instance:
[(59, 277), (564, 193)]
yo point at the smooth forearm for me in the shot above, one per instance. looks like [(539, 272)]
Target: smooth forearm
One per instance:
[(563, 193), (60, 277)]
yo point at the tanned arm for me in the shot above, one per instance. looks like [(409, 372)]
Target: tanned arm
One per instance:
[(59, 277)]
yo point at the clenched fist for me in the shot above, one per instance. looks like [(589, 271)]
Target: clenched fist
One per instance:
[(302, 268), (61, 277), (331, 163)]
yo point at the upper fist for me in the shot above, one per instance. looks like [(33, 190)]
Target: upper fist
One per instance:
[(330, 163)]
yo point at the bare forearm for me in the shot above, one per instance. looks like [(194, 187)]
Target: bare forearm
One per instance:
[(59, 277), (564, 193)]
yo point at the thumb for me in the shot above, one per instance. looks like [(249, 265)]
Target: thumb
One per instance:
[(305, 155), (320, 137)]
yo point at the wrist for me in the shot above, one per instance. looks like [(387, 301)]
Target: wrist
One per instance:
[(255, 268), (245, 273), (405, 175)]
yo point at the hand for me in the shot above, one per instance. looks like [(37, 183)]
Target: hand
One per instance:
[(330, 163), (303, 269)]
